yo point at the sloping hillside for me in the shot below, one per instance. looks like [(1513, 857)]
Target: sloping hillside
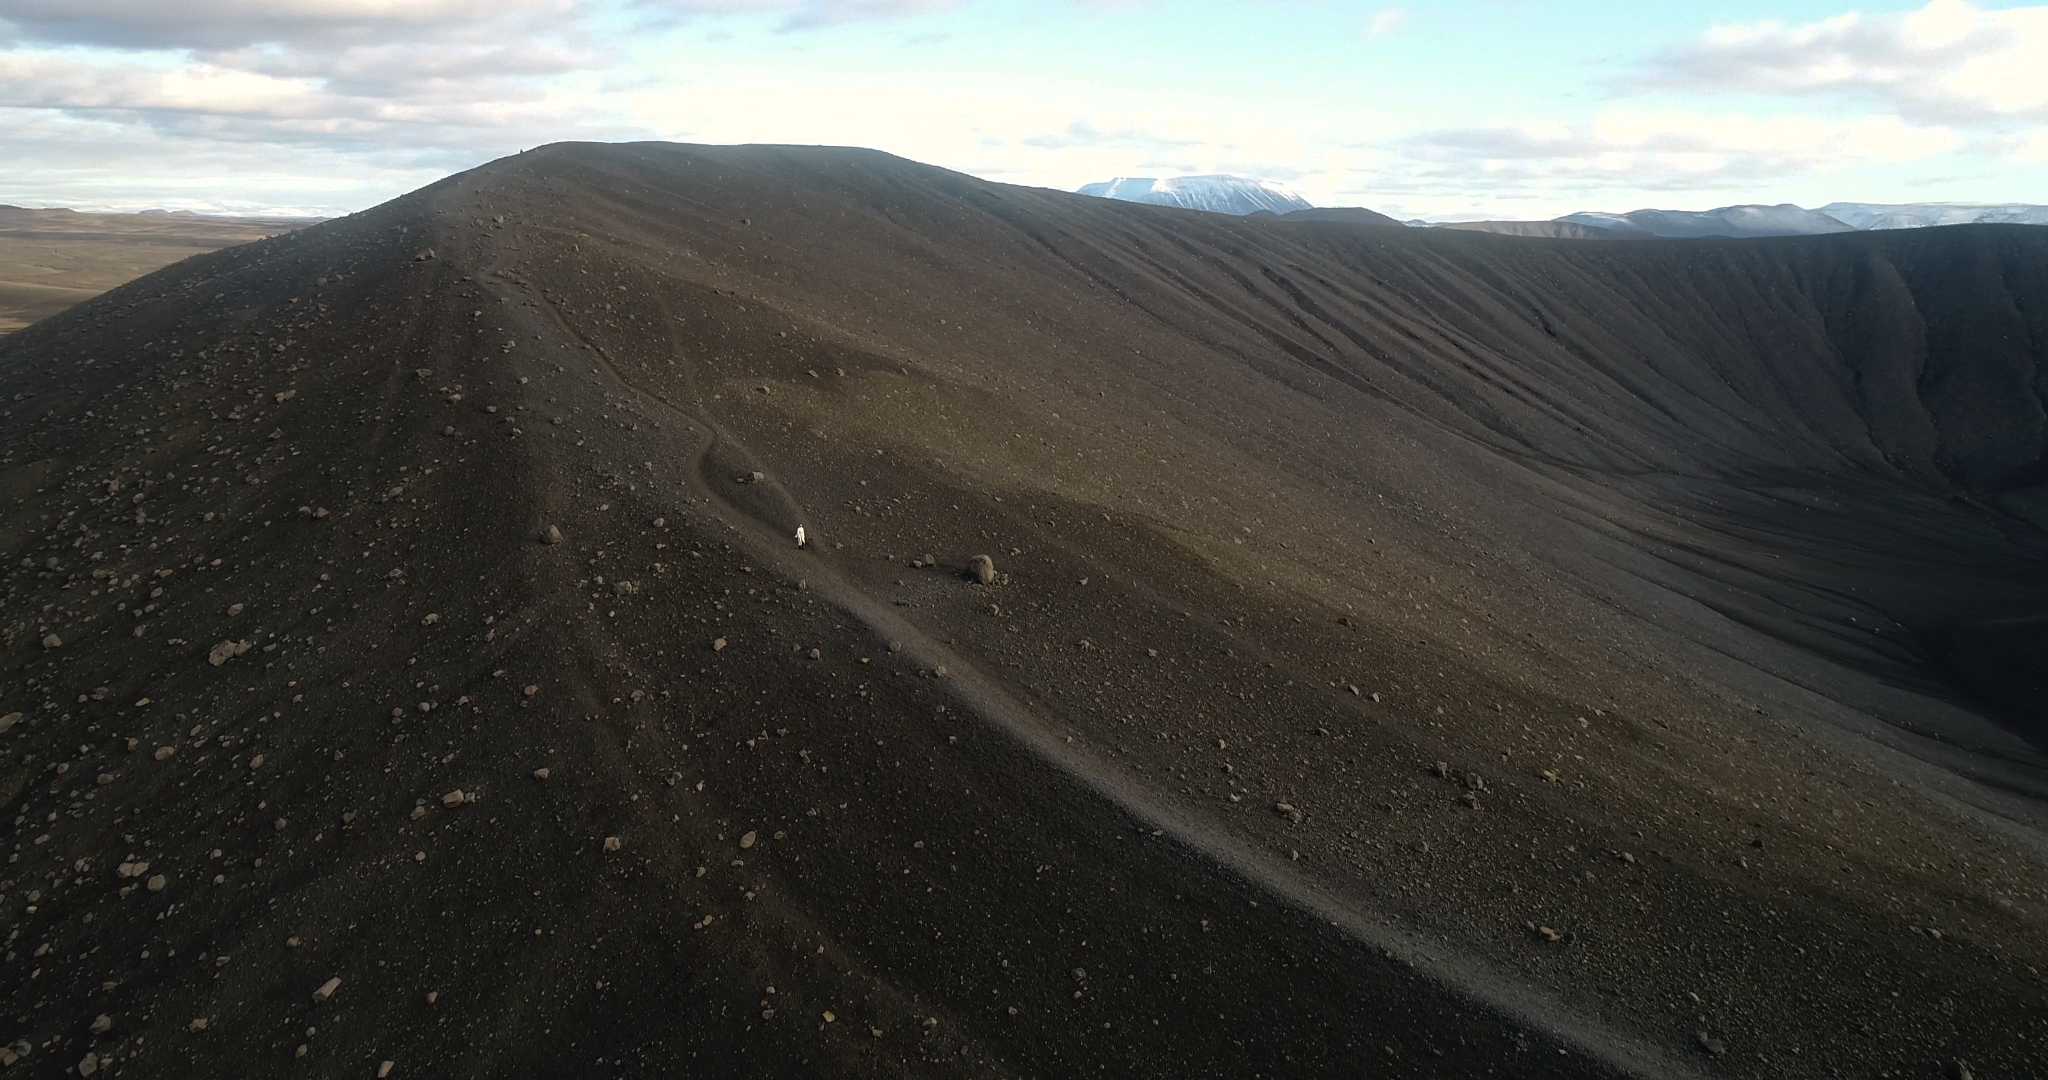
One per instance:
[(1423, 652)]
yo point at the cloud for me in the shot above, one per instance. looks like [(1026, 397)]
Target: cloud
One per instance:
[(1665, 150), (1948, 62), (1081, 133), (229, 24), (1386, 22), (804, 14)]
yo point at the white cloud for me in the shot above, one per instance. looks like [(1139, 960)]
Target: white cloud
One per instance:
[(1949, 61), (1386, 22), (1654, 150)]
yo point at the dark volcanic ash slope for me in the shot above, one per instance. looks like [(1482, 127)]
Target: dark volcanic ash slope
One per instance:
[(1415, 652)]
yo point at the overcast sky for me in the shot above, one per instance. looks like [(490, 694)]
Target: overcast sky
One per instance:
[(1451, 109)]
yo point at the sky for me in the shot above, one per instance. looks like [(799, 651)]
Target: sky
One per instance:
[(1455, 109)]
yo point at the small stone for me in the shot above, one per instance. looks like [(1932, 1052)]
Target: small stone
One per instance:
[(326, 990), (984, 569), (611, 843), (236, 609), (156, 883), (717, 644), (747, 839), (7, 722), (1289, 811), (52, 641), (448, 430), (1712, 1045), (530, 690), (198, 1024), (815, 654), (540, 774), (452, 799), (418, 812), (285, 395), (551, 535), (89, 1065), (384, 1069), (433, 996), (102, 1024), (225, 651), (430, 620), (419, 856), (829, 1018), (256, 762)]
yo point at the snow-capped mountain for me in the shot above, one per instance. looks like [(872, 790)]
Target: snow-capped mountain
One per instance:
[(1217, 194), (1784, 219), (1922, 215)]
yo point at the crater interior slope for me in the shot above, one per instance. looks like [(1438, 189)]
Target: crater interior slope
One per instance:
[(1410, 652)]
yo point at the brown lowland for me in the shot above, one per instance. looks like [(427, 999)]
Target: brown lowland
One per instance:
[(52, 259)]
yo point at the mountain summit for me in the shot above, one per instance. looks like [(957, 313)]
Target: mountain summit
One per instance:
[(1218, 194)]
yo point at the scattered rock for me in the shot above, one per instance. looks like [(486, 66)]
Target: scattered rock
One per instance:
[(1712, 1045), (7, 722), (235, 609), (530, 690), (164, 752), (156, 883), (983, 568), (611, 843), (225, 651), (540, 774), (256, 762), (454, 799), (551, 535), (52, 641), (747, 840), (102, 1024), (89, 1065), (326, 990), (717, 644), (384, 1069), (285, 395), (1288, 811)]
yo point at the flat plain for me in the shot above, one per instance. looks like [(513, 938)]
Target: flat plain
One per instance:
[(52, 259)]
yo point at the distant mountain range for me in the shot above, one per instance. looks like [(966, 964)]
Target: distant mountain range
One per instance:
[(1249, 197), (1783, 219)]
